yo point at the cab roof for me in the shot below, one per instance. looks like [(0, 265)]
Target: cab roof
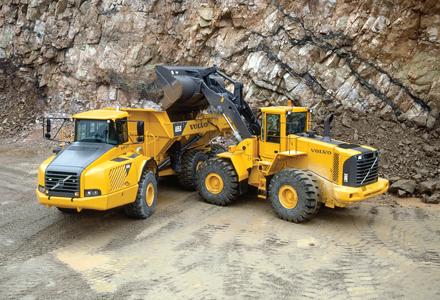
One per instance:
[(101, 114), (283, 109)]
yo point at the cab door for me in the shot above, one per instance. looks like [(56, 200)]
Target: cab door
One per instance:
[(270, 136)]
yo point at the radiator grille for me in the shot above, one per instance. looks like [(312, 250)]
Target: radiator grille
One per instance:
[(62, 183), (335, 167), (367, 168), (117, 178)]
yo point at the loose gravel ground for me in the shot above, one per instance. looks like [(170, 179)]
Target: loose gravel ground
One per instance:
[(382, 248)]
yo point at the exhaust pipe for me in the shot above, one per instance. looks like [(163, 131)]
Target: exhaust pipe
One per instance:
[(327, 127)]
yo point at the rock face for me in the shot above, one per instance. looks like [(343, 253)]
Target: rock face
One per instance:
[(369, 55), (21, 102), (376, 60)]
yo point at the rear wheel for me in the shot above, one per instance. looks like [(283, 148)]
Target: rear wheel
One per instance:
[(146, 198), (217, 181), (191, 161), (294, 195)]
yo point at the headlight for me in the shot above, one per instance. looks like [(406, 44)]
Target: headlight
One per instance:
[(92, 193), (41, 189)]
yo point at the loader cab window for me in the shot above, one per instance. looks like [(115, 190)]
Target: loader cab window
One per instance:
[(273, 128), (101, 131), (296, 122)]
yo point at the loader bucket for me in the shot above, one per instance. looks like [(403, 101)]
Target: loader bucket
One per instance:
[(182, 89)]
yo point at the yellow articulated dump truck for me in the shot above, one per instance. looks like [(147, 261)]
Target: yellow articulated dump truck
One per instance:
[(117, 154)]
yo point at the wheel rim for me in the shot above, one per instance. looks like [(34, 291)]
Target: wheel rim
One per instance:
[(199, 163), (214, 183), (149, 197), (288, 196)]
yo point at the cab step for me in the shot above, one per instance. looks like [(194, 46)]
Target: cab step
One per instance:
[(262, 192)]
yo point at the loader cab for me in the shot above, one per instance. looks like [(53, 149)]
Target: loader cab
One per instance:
[(280, 124)]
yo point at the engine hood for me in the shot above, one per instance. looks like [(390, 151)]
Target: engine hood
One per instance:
[(78, 156)]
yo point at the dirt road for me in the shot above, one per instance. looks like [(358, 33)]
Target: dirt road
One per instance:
[(384, 248)]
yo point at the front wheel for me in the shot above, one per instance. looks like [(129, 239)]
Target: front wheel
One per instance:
[(294, 195), (146, 198), (216, 149), (217, 181)]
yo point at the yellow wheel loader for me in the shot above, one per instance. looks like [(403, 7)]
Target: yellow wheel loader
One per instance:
[(294, 168)]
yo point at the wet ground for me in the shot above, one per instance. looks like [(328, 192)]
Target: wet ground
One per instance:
[(382, 248)]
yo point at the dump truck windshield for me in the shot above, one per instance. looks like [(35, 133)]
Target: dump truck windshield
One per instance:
[(101, 131), (296, 122)]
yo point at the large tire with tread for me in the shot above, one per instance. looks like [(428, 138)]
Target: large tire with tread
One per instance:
[(191, 160), (146, 198), (217, 181), (294, 195), (216, 149)]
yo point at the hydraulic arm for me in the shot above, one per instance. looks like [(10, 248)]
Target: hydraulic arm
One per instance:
[(188, 89)]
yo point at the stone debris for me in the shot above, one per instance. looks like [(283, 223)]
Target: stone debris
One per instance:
[(151, 104)]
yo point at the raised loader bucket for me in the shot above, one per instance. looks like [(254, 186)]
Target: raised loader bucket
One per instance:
[(182, 89)]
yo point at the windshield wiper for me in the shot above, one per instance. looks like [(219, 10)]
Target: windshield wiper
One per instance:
[(92, 140)]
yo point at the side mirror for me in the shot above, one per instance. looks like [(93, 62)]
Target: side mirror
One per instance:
[(48, 129), (327, 126), (140, 131)]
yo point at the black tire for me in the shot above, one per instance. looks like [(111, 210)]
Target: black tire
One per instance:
[(191, 160), (225, 170), (67, 210), (141, 208), (307, 190), (216, 149)]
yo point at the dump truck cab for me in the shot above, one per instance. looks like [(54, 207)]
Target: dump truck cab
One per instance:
[(102, 126)]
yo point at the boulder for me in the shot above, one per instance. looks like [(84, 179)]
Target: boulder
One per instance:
[(428, 187), (433, 199), (403, 185)]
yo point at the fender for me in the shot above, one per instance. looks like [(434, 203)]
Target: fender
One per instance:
[(148, 163), (242, 157)]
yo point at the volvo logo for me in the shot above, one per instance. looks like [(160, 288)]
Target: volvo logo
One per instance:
[(199, 125), (321, 151), (61, 182)]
